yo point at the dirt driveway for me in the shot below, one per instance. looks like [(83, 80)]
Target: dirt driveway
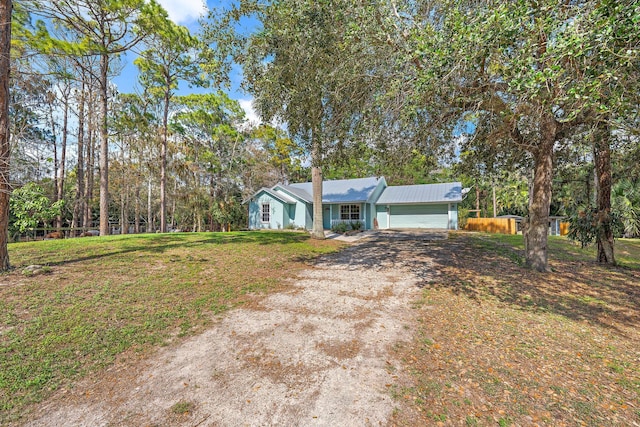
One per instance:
[(319, 354)]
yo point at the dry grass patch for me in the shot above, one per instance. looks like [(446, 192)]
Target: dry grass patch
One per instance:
[(502, 345), (110, 295), (340, 349)]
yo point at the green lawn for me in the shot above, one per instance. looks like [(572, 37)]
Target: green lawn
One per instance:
[(627, 251), (106, 297)]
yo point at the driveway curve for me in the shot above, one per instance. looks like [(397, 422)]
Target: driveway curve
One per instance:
[(319, 354)]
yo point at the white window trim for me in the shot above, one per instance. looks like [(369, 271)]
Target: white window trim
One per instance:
[(262, 213), (351, 212)]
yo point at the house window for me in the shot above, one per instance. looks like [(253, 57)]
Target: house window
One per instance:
[(266, 212), (349, 212)]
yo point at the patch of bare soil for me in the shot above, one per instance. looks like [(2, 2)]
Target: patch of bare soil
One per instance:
[(317, 354)]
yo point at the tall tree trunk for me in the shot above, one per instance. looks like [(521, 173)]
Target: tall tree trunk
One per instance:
[(124, 217), (136, 224), (78, 205), (149, 210), (317, 231), (63, 151), (104, 146), (163, 165), (602, 160), (173, 205), (54, 148), (216, 195), (5, 143), (588, 193), (537, 226), (90, 170), (124, 213)]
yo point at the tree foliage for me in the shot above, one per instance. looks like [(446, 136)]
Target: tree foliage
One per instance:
[(170, 57), (31, 207), (105, 29), (528, 74), (213, 152), (302, 71)]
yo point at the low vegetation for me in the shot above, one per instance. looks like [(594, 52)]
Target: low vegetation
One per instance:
[(501, 345), (346, 227), (495, 343), (121, 296)]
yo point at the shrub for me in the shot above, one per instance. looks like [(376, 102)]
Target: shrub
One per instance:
[(340, 228), (463, 216), (30, 207), (586, 224), (356, 225)]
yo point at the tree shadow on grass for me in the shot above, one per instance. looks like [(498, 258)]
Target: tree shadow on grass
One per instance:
[(483, 270), (95, 248)]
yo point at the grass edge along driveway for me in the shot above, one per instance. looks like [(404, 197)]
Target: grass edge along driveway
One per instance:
[(120, 296)]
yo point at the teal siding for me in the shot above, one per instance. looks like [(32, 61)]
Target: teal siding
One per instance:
[(280, 213), (419, 216), (309, 216), (367, 216), (375, 195), (331, 213), (372, 210), (299, 215), (283, 214)]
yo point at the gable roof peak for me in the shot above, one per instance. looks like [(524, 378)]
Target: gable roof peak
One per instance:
[(355, 190)]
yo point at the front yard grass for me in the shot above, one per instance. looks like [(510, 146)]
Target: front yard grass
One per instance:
[(499, 344), (104, 298)]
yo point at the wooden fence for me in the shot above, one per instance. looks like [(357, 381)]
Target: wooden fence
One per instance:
[(564, 228), (492, 225), (504, 226)]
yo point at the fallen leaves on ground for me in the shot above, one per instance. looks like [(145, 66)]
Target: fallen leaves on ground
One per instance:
[(501, 345)]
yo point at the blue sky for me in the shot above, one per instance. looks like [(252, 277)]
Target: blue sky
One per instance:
[(187, 13)]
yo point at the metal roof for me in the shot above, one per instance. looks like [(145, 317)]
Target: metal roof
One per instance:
[(425, 193), (298, 192), (280, 196), (338, 191)]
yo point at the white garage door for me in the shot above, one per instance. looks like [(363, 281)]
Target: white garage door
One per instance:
[(419, 216)]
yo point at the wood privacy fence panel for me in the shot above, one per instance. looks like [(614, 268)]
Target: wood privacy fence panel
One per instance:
[(492, 225)]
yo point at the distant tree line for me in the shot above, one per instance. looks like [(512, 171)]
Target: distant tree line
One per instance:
[(152, 161)]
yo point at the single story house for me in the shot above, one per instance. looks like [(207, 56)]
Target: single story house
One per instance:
[(366, 200)]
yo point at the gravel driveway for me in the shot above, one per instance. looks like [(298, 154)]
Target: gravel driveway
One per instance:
[(319, 354)]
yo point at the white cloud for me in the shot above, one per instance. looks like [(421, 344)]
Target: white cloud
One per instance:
[(251, 116), (184, 11)]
